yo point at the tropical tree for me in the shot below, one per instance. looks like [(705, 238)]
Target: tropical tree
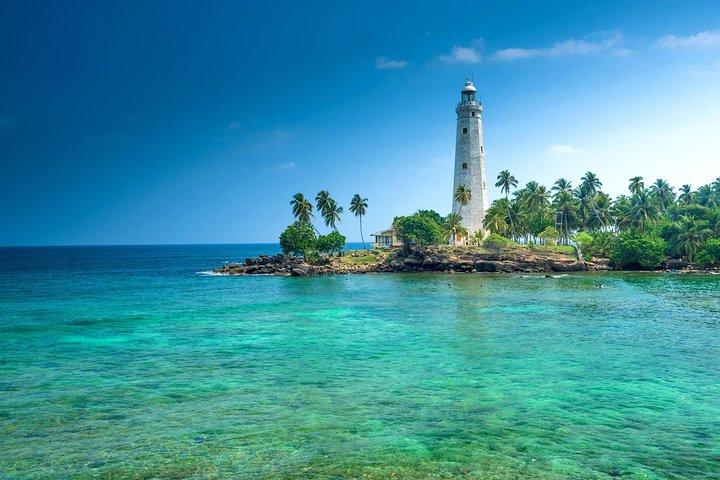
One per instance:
[(685, 197), (691, 239), (506, 181), (591, 182), (561, 185), (301, 208), (663, 193), (643, 211), (298, 239), (322, 201), (550, 235), (452, 227), (707, 196), (462, 196), (494, 219), (358, 206), (636, 185), (332, 214)]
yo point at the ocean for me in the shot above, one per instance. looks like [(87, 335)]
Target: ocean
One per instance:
[(129, 362)]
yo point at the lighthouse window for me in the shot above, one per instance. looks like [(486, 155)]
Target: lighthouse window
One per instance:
[(464, 166), (464, 131), (481, 149), (473, 114)]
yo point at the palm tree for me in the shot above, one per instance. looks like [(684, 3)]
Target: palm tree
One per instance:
[(453, 227), (636, 185), (560, 186), (462, 196), (591, 182), (713, 222), (358, 206), (332, 214), (322, 201), (663, 193), (566, 208), (495, 219), (505, 181), (707, 196), (643, 212), (600, 216), (690, 240), (685, 197), (301, 208), (716, 185)]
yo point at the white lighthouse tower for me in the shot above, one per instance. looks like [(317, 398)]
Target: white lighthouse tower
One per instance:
[(470, 161)]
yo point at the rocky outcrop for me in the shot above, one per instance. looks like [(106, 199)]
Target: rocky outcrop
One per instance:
[(428, 259)]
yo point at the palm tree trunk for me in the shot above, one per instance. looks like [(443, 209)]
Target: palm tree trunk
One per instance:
[(361, 234)]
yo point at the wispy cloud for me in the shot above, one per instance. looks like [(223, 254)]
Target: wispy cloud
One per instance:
[(7, 122), (285, 166), (560, 149), (699, 40), (590, 45), (463, 55), (385, 63)]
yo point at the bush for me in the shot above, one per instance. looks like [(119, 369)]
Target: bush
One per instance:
[(710, 254), (496, 243), (417, 230), (333, 242), (637, 251), (298, 239)]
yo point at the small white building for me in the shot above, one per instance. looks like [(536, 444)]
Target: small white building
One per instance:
[(386, 239)]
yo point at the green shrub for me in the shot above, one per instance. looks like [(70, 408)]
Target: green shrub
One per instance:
[(710, 254), (298, 239), (417, 230), (637, 251), (333, 242)]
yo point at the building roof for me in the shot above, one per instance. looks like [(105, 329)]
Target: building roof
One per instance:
[(469, 87), (387, 231)]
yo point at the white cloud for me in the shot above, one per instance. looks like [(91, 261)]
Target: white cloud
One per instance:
[(462, 55), (591, 45), (699, 40), (384, 63), (286, 166), (559, 149), (7, 122)]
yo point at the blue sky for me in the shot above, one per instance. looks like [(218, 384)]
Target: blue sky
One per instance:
[(195, 122)]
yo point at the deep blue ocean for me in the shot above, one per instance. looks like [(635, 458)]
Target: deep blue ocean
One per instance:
[(129, 362)]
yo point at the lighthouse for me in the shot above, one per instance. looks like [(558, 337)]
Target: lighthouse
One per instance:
[(470, 161)]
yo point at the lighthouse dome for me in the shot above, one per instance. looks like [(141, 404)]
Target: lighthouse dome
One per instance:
[(468, 87)]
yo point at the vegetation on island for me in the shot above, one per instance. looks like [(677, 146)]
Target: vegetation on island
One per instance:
[(302, 238), (638, 230)]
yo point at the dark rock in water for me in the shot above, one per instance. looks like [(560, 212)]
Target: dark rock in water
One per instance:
[(249, 262), (567, 266), (265, 260), (486, 266), (298, 272)]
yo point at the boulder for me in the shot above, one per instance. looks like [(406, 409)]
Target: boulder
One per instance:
[(486, 266), (412, 262), (567, 266), (298, 272), (250, 262)]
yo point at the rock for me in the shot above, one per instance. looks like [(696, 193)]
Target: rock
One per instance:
[(298, 272), (486, 266), (567, 266), (464, 260), (250, 262), (412, 262)]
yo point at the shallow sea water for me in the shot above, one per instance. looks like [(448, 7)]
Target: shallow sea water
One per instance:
[(125, 362)]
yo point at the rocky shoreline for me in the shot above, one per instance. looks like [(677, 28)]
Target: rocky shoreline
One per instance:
[(429, 259)]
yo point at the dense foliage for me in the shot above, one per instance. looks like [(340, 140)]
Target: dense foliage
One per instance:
[(683, 222), (298, 239), (417, 229), (638, 251), (333, 242)]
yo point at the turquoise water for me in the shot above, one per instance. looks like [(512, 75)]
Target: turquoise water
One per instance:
[(124, 362)]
